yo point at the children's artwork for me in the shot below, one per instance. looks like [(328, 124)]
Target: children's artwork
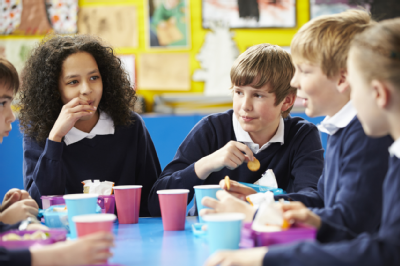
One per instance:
[(29, 17), (116, 25), (164, 71), (169, 23), (17, 51), (216, 57), (250, 13), (128, 63), (329, 7)]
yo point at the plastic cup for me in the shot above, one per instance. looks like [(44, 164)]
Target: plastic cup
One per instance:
[(78, 204), (173, 204), (127, 199), (201, 192), (92, 223), (223, 230)]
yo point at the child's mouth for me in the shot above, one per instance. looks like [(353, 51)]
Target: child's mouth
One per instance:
[(247, 118)]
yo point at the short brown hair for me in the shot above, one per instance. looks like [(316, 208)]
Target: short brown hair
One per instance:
[(378, 52), (265, 64), (325, 40), (8, 75)]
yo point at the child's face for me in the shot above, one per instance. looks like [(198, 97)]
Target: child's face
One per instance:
[(316, 89), (255, 110), (80, 77), (6, 114), (363, 97)]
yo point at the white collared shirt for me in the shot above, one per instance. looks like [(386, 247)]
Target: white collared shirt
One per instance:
[(341, 119), (394, 149), (105, 126), (243, 136)]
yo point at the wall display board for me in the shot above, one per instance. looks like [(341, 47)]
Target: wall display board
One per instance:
[(328, 7), (17, 51)]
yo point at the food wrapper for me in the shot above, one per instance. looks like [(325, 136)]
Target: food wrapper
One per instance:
[(268, 179), (97, 187)]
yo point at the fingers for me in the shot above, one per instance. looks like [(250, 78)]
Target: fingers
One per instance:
[(31, 211), (243, 147), (30, 202), (74, 102), (207, 211), (217, 259), (294, 205), (238, 195), (24, 195), (82, 108), (209, 202)]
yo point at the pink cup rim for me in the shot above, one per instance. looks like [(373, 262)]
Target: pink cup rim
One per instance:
[(80, 196), (224, 217), (94, 218), (207, 186), (128, 187), (173, 191)]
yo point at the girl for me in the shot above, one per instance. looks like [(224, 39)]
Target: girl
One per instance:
[(77, 119), (373, 67)]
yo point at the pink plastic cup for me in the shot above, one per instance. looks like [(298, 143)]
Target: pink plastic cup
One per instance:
[(127, 199), (173, 204), (93, 223)]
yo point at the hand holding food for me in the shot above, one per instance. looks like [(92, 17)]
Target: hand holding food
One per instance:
[(19, 211)]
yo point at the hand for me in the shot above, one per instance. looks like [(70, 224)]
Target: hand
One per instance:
[(227, 203), (230, 156), (236, 189), (19, 211), (242, 257), (12, 196), (297, 212), (37, 227), (70, 113), (88, 250)]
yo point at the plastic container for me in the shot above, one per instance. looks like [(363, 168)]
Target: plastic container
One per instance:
[(56, 235), (48, 201), (258, 188), (55, 219), (106, 203)]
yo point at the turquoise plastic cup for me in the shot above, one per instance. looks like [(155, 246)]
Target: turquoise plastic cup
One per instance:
[(79, 204), (201, 192), (223, 230)]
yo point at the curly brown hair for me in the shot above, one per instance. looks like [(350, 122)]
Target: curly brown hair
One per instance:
[(40, 99)]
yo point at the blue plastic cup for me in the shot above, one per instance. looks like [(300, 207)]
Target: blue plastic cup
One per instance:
[(223, 230), (78, 204), (201, 192)]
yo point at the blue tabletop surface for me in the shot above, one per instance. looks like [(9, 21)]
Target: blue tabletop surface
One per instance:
[(146, 243)]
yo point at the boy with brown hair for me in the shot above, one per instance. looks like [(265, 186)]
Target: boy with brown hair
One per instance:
[(258, 126)]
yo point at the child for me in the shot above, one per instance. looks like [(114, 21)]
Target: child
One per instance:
[(355, 165), (258, 126), (17, 205), (373, 66), (76, 116)]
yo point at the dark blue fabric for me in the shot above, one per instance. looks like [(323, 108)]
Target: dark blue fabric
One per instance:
[(350, 190), (128, 157), (297, 163), (380, 248)]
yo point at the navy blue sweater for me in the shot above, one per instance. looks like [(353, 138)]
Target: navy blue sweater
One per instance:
[(127, 157), (349, 192), (380, 248), (19, 257), (297, 163)]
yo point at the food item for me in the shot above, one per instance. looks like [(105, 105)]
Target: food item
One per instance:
[(285, 224), (227, 183), (254, 165), (11, 237), (38, 235)]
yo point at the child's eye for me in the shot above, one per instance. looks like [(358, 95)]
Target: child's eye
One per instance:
[(258, 95), (239, 92), (3, 103), (72, 82), (94, 77)]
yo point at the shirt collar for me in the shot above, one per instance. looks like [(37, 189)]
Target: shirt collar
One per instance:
[(243, 136), (394, 149), (105, 126), (341, 119)]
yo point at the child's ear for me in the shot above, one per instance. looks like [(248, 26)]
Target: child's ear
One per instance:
[(381, 93), (343, 84), (288, 102)]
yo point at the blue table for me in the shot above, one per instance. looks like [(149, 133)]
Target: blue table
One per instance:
[(146, 243)]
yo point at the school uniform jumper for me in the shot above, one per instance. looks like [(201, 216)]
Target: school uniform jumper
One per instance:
[(297, 163), (379, 248), (127, 157), (19, 257)]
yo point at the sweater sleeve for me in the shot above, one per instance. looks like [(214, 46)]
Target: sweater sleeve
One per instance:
[(329, 231), (43, 169), (179, 173), (20, 257), (5, 227)]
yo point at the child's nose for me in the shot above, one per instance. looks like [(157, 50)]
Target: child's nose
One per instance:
[(11, 116), (85, 88), (247, 104)]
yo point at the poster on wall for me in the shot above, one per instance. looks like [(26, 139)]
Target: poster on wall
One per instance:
[(116, 25), (17, 51), (32, 17), (128, 63), (168, 24), (250, 13), (329, 7)]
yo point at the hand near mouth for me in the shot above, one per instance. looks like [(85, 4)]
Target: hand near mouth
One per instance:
[(69, 115)]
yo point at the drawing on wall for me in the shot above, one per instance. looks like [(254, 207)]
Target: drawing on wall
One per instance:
[(250, 13), (329, 7), (116, 25), (17, 51), (30, 17), (128, 63), (169, 24)]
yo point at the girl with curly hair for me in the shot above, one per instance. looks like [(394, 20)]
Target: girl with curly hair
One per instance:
[(77, 119)]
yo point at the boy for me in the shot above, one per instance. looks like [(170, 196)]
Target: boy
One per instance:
[(258, 126), (17, 205)]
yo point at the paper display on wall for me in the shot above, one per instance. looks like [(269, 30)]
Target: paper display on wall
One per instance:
[(116, 25), (128, 63), (164, 71), (329, 7), (17, 51)]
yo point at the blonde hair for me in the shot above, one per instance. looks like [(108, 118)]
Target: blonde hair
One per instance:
[(378, 52), (265, 64), (325, 41)]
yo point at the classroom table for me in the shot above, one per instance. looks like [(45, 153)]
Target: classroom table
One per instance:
[(146, 243)]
